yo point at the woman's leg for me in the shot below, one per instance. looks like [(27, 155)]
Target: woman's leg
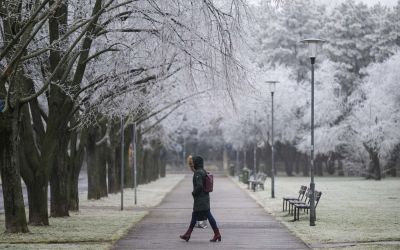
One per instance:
[(193, 221), (212, 221), (186, 236)]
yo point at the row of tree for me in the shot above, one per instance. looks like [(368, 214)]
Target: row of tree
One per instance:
[(356, 103), (357, 107), (71, 69)]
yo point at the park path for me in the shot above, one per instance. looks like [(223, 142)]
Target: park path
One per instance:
[(242, 222)]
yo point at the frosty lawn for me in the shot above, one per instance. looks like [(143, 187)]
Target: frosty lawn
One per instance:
[(98, 223), (351, 210)]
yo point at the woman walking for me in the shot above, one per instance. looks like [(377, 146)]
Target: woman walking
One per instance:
[(201, 205)]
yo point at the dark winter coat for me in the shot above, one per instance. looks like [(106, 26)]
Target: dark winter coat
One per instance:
[(201, 198)]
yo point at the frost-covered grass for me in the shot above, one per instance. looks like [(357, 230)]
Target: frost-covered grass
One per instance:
[(97, 225), (350, 210), (80, 246), (148, 195)]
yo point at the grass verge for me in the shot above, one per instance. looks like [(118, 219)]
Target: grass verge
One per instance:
[(97, 225), (363, 213)]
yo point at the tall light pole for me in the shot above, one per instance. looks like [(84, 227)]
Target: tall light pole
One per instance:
[(184, 142), (255, 146), (313, 45), (122, 163), (134, 159), (237, 162), (272, 86)]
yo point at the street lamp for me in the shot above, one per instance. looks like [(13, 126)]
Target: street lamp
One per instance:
[(184, 142), (313, 45), (255, 146), (272, 87)]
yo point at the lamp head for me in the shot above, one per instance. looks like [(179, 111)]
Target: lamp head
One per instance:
[(313, 46), (272, 85)]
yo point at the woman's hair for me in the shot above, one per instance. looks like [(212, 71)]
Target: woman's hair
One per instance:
[(190, 162)]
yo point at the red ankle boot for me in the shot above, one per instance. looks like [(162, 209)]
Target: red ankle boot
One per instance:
[(217, 236), (186, 236)]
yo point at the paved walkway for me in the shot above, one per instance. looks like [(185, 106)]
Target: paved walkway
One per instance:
[(242, 222)]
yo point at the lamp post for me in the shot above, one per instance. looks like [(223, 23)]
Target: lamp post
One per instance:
[(184, 143), (134, 159), (272, 86), (313, 45), (255, 146), (122, 163)]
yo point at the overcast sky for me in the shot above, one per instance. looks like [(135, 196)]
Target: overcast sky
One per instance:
[(369, 2), (335, 2)]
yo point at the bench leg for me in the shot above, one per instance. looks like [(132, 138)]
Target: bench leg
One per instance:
[(293, 208)]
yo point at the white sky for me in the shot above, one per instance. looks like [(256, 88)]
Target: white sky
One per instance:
[(335, 2), (369, 2)]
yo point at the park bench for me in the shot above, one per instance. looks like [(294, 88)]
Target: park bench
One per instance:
[(286, 200), (294, 202), (305, 207), (257, 181)]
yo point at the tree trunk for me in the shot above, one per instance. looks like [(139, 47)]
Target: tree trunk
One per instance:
[(15, 218), (97, 164), (145, 166), (31, 170), (76, 161), (140, 158), (340, 167), (37, 197), (319, 165), (306, 165), (111, 163), (163, 162), (73, 191), (376, 166), (128, 180), (391, 166), (101, 159), (92, 169), (288, 167), (286, 155), (117, 166), (157, 161), (330, 164), (297, 162), (59, 181)]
